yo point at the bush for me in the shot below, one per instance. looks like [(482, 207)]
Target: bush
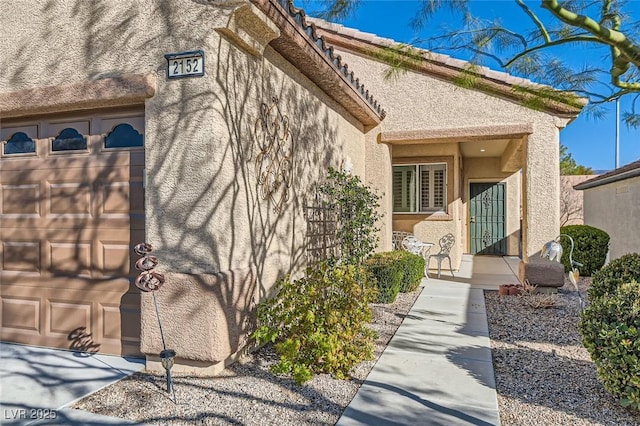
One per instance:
[(591, 246), (319, 323), (413, 267), (610, 328), (356, 206), (389, 272), (619, 271)]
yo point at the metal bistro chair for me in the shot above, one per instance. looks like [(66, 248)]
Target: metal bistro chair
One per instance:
[(446, 244), (413, 245), (397, 237)]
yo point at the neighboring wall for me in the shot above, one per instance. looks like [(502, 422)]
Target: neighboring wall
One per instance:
[(614, 208), (221, 244), (571, 206), (422, 103)]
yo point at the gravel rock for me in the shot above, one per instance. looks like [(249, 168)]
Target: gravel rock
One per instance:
[(246, 393), (544, 376)]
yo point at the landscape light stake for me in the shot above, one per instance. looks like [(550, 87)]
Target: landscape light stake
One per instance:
[(553, 250), (150, 281)]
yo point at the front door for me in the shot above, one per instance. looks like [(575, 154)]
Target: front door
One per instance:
[(487, 211)]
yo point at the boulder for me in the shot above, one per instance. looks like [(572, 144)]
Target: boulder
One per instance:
[(542, 273)]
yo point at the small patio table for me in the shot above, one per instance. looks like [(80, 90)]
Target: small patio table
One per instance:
[(421, 248)]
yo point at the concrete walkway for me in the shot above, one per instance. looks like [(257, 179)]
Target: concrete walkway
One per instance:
[(437, 369), (40, 382)]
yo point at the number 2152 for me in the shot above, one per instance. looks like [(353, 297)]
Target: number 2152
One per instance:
[(186, 66)]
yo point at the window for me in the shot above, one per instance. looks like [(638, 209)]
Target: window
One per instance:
[(69, 140), (420, 188), (19, 143), (123, 136)]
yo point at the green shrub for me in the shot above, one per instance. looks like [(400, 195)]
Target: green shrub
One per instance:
[(413, 267), (356, 206), (388, 271), (619, 271), (319, 323), (591, 246), (610, 328)]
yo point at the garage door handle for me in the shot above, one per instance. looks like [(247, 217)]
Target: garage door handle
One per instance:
[(472, 219)]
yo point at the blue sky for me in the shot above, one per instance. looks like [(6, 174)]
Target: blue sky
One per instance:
[(591, 141)]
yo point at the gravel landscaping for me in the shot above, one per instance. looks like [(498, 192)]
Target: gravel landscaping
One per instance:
[(247, 393), (544, 376)]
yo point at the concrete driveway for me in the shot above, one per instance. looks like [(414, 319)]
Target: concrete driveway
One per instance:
[(37, 383)]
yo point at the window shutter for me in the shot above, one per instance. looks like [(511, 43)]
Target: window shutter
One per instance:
[(439, 188), (425, 179)]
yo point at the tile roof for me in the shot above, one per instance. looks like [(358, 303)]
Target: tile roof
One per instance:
[(621, 173), (445, 61), (310, 30)]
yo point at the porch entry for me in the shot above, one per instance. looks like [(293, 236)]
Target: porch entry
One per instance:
[(487, 218)]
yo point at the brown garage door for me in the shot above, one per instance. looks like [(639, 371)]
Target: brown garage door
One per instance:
[(71, 205)]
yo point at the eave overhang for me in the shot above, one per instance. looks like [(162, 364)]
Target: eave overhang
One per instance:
[(300, 45)]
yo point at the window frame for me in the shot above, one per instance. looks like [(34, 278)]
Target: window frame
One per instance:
[(417, 196)]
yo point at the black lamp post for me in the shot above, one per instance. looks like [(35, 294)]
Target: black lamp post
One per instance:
[(167, 357)]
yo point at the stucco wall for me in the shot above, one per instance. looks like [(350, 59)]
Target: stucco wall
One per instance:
[(614, 208), (204, 212), (419, 102), (571, 204)]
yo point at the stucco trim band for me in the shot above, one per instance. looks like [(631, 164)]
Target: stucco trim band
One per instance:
[(250, 29), (458, 134), (128, 89)]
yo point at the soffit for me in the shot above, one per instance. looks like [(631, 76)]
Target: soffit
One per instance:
[(483, 148)]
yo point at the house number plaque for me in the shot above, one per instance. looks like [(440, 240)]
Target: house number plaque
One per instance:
[(185, 64)]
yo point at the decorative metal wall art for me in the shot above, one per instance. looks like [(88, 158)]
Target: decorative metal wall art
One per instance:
[(274, 166), (150, 281)]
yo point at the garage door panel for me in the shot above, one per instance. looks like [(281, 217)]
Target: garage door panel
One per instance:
[(115, 259), (74, 198), (68, 220), (73, 318), (72, 161), (20, 199), (64, 317), (22, 315), (70, 258), (21, 256), (66, 223)]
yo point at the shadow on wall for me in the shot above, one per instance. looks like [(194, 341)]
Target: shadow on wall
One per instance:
[(247, 235), (223, 224)]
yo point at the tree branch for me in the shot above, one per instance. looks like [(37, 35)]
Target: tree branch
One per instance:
[(535, 19), (612, 37), (554, 43)]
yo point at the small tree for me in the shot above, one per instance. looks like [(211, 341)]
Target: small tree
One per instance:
[(571, 210), (568, 165), (357, 209)]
